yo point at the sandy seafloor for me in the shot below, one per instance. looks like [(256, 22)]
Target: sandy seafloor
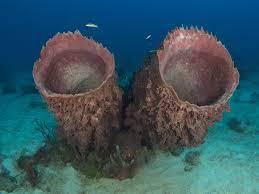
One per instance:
[(229, 160)]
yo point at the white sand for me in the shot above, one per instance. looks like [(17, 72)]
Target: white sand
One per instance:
[(229, 161)]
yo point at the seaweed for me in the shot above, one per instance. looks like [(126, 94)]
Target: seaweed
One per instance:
[(48, 133), (113, 164), (59, 153), (92, 167), (120, 162)]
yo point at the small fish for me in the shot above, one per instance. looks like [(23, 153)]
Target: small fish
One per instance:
[(91, 25), (152, 51), (148, 37)]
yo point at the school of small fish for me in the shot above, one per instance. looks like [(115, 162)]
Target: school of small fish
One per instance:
[(92, 25)]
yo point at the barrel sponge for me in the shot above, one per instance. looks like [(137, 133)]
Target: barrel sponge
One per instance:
[(181, 90), (76, 77)]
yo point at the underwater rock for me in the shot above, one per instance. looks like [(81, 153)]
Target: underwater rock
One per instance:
[(48, 133), (192, 158), (183, 89), (235, 125), (76, 77)]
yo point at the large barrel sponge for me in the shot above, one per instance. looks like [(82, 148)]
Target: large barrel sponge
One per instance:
[(181, 90), (76, 77)]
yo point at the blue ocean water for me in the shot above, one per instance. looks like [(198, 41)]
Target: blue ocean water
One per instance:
[(123, 26), (26, 25)]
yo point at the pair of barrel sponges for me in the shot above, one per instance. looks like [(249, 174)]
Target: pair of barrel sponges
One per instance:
[(180, 91)]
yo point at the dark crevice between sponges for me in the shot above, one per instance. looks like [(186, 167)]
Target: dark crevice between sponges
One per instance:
[(125, 81)]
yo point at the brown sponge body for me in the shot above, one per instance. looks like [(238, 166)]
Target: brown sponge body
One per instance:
[(76, 77), (182, 89)]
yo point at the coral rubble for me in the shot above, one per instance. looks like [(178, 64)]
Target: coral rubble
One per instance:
[(182, 89), (76, 77)]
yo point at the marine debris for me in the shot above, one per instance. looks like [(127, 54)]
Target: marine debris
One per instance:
[(181, 90), (76, 77), (48, 133)]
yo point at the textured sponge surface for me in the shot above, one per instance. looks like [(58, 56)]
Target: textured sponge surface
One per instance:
[(75, 72)]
